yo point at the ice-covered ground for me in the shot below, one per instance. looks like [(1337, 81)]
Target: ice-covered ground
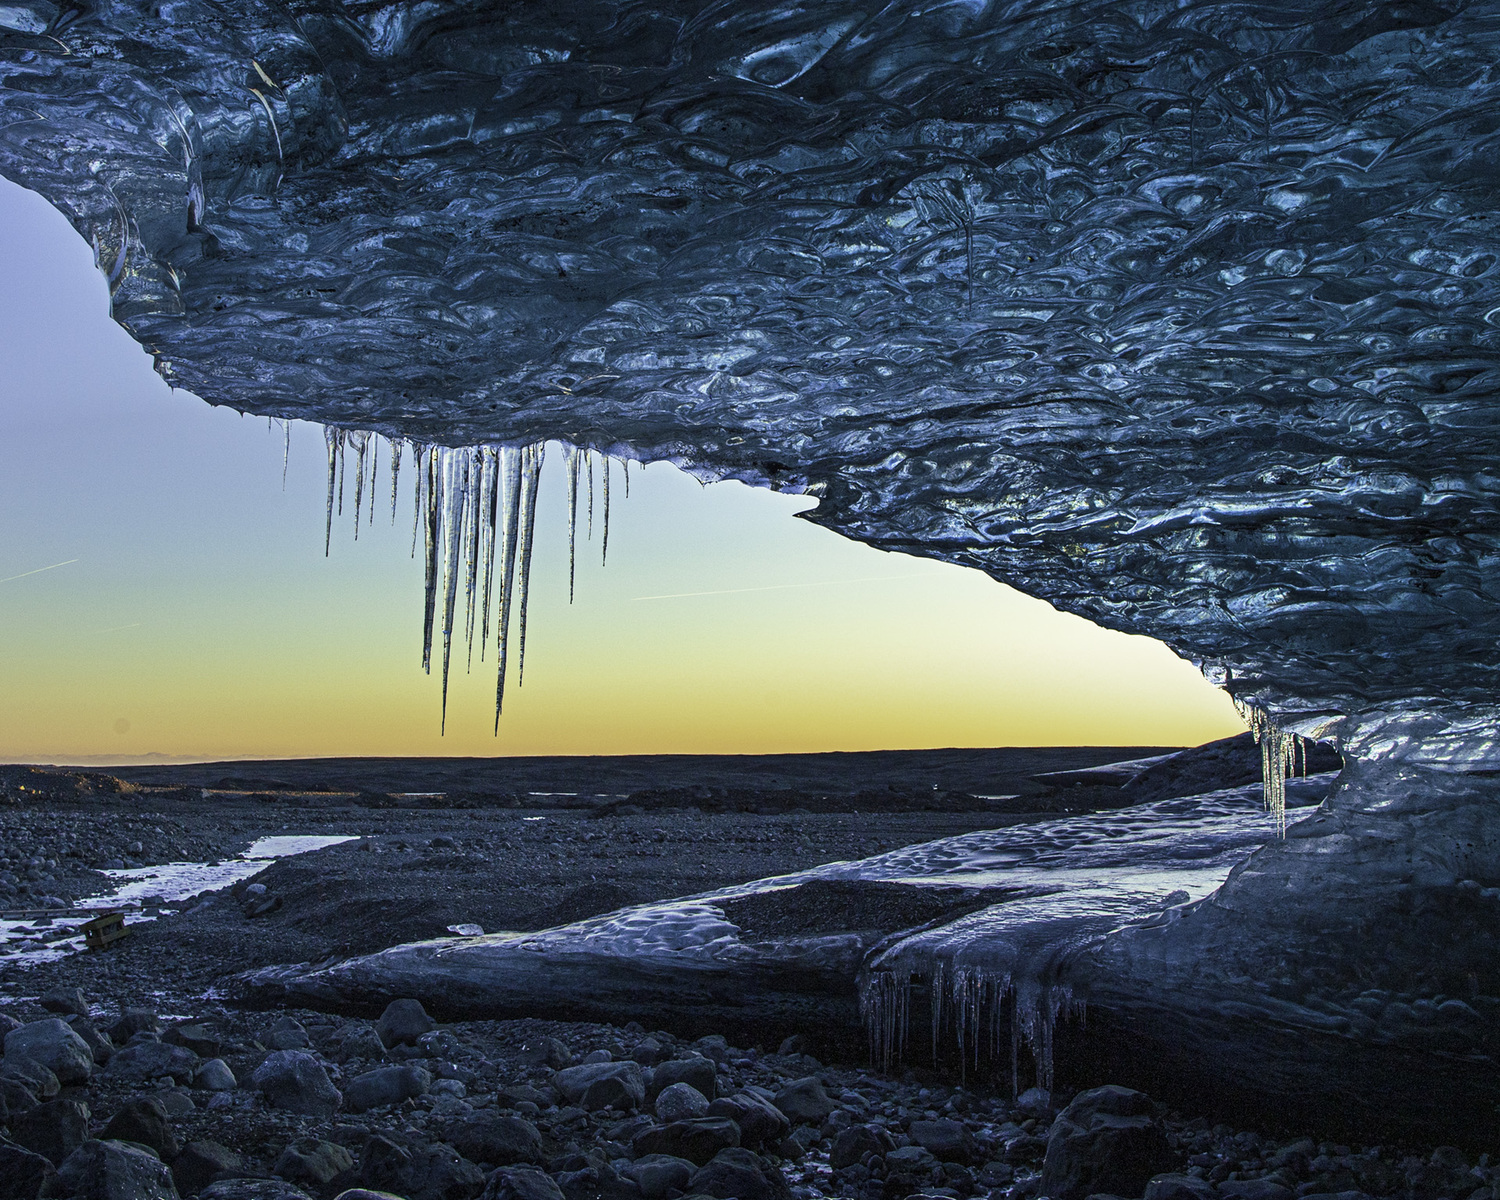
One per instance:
[(27, 941)]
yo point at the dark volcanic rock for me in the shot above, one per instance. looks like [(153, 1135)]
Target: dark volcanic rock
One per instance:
[(739, 1174), (144, 1062), (804, 1101), (142, 1119), (418, 1172), (697, 1141), (1106, 1140), (202, 1163), (603, 1085), (695, 1071), (296, 1081), (403, 1022), (520, 1183), (100, 1170), (386, 1085), (55, 1129), (499, 1140), (22, 1172), (253, 1189), (52, 1044), (312, 1162)]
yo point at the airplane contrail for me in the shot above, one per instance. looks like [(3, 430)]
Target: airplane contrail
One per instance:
[(775, 587), (38, 570)]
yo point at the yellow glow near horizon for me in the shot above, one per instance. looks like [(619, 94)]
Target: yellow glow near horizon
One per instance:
[(160, 594)]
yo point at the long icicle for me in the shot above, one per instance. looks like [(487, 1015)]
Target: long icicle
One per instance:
[(361, 447), (474, 547), (334, 438), (604, 550), (491, 513), (432, 494), (510, 478), (532, 458), (572, 458), (395, 476), (455, 510)]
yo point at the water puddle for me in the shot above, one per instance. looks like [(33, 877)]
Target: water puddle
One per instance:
[(140, 891)]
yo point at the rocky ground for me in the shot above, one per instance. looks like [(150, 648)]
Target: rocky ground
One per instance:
[(135, 1104)]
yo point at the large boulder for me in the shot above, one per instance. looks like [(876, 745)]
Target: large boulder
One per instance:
[(1107, 1140), (253, 1189), (680, 1102), (100, 1170), (296, 1081), (54, 1045), (945, 1138), (658, 1174)]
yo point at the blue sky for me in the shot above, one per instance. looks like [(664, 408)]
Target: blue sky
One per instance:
[(163, 593)]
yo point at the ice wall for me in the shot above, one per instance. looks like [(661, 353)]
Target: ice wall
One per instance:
[(1182, 316)]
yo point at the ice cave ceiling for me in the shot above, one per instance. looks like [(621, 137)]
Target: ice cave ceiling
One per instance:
[(1181, 314)]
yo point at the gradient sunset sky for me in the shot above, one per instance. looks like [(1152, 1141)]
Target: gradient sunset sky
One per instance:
[(161, 593)]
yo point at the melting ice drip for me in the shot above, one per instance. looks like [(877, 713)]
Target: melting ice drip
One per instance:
[(475, 519), (1278, 757)]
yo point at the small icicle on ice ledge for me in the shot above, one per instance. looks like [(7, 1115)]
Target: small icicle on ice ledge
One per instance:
[(474, 521)]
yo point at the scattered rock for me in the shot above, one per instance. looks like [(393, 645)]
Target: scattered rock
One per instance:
[(100, 1047), (215, 1076), (697, 1072), (1107, 1140), (22, 1172), (804, 1101), (386, 1085), (945, 1139), (63, 1001), (435, 1172), (250, 1189), (680, 1102), (133, 1021), (53, 1044), (100, 1170), (191, 1035), (519, 1183), (54, 1130), (1179, 1187), (501, 1141), (145, 1061), (853, 1144), (203, 1163), (296, 1081), (355, 1039), (143, 1119), (659, 1174), (761, 1122), (548, 1052), (739, 1174), (35, 1078), (312, 1161), (403, 1022), (603, 1085), (697, 1140)]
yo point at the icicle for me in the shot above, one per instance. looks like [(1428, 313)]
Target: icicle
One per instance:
[(532, 458), (474, 547), (1278, 753), (395, 476), (625, 466), (374, 473), (491, 509), (361, 446), (334, 439), (286, 452), (343, 435), (604, 550), (419, 495), (510, 481), (432, 493), (571, 457), (456, 464), (588, 466)]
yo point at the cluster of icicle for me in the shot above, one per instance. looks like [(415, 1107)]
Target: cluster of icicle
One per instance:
[(474, 519), (1278, 758), (979, 1007)]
